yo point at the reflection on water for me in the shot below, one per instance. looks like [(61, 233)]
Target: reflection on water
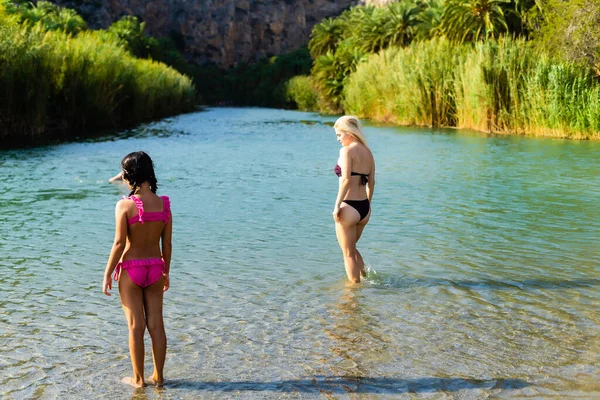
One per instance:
[(487, 270), (356, 342)]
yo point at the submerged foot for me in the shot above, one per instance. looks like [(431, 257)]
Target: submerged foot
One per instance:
[(132, 382), (157, 382), (351, 282)]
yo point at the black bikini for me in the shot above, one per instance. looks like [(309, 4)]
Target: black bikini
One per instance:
[(362, 206)]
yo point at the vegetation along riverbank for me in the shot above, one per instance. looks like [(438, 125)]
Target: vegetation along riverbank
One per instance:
[(489, 65), (505, 66), (59, 79)]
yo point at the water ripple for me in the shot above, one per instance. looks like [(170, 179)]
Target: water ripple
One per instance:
[(482, 278)]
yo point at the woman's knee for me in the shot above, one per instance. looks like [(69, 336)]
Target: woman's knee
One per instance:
[(137, 328), (156, 330), (350, 252)]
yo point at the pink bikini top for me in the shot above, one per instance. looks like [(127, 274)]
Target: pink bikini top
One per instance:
[(142, 216)]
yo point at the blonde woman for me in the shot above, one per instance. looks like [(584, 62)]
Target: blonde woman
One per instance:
[(352, 209)]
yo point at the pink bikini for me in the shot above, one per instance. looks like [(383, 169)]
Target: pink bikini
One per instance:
[(147, 271)]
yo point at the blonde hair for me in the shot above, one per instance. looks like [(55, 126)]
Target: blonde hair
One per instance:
[(350, 124)]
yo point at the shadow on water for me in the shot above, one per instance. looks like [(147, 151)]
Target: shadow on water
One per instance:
[(376, 280), (61, 194), (350, 384), (157, 130), (357, 341)]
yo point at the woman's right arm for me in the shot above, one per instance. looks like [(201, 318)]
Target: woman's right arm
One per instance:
[(167, 248), (118, 245), (117, 177)]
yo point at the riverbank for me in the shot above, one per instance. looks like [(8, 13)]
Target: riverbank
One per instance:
[(57, 86)]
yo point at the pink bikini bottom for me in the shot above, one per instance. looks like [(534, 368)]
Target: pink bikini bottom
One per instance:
[(142, 272)]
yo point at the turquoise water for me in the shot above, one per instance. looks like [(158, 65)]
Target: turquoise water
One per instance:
[(482, 253)]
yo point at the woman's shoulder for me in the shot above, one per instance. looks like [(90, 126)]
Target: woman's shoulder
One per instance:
[(129, 200), (125, 200), (357, 150), (125, 204), (166, 201)]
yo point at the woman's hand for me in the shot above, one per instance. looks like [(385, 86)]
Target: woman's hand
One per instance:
[(117, 178), (107, 285), (167, 284), (336, 214)]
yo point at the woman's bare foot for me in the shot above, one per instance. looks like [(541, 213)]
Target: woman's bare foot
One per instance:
[(132, 382), (157, 382)]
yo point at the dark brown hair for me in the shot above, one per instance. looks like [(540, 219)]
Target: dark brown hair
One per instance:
[(137, 169)]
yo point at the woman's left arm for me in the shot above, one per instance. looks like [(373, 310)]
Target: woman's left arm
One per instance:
[(371, 183), (167, 250), (345, 163), (118, 245)]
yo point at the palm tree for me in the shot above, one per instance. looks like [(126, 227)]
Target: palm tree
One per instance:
[(330, 71), (465, 20), (400, 27), (130, 31), (430, 20), (325, 37), (52, 17), (370, 32), (67, 20)]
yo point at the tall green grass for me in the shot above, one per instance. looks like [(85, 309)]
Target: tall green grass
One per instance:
[(56, 85), (501, 86)]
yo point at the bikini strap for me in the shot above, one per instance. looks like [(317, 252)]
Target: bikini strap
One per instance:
[(364, 178), (117, 270), (166, 208), (139, 205)]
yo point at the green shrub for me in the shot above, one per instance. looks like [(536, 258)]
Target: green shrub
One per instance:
[(300, 91)]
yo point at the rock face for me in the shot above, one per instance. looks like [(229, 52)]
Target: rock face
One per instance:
[(224, 32)]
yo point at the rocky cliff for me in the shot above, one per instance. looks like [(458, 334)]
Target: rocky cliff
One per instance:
[(225, 32)]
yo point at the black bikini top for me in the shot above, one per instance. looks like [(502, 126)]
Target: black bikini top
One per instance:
[(364, 178)]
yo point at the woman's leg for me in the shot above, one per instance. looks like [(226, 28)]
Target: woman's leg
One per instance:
[(132, 300), (346, 232), (153, 301), (359, 229)]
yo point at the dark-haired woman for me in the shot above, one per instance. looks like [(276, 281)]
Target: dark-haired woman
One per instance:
[(140, 260)]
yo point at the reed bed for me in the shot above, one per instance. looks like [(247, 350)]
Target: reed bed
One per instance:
[(55, 85), (503, 86)]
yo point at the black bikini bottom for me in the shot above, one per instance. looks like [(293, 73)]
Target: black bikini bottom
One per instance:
[(362, 206)]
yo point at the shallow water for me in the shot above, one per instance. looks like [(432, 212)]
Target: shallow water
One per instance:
[(483, 257)]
